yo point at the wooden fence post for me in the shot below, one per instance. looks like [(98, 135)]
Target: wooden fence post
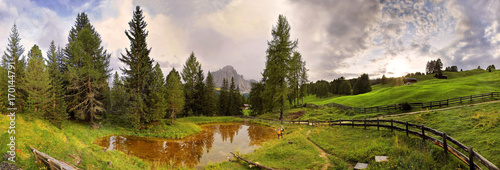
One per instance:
[(445, 145), (460, 99), (471, 98), (392, 126), (365, 123), (378, 127), (440, 104), (423, 133), (471, 158), (340, 122), (352, 123), (447, 102), (406, 128)]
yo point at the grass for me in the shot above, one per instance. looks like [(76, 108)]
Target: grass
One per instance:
[(477, 126), (459, 84), (351, 145)]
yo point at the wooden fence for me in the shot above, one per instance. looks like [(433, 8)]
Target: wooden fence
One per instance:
[(421, 131), (432, 104)]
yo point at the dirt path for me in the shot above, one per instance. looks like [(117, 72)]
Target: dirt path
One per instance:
[(322, 154), (448, 108)]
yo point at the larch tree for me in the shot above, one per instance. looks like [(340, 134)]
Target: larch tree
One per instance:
[(88, 70), (57, 112), (14, 54), (138, 73), (175, 94), (279, 52), (211, 99), (37, 84)]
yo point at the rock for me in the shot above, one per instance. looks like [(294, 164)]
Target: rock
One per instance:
[(5, 156), (381, 158), (361, 166), (8, 166)]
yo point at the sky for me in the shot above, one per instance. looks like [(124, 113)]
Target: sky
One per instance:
[(336, 38)]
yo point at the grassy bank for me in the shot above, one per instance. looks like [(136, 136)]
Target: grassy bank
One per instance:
[(74, 142)]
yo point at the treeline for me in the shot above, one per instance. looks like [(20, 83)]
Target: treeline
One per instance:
[(284, 77), (72, 81), (340, 86)]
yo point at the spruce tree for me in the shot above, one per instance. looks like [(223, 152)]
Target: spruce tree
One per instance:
[(224, 99), (279, 52), (255, 99), (88, 70), (57, 112), (200, 95), (362, 85), (191, 74), (138, 71), (211, 99), (238, 100), (175, 94), (37, 84), (118, 96), (157, 96), (13, 54)]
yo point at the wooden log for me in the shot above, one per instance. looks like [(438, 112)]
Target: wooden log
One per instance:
[(471, 158), (250, 162), (485, 162), (445, 145), (51, 162)]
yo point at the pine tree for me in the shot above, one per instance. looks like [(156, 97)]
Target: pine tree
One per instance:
[(57, 112), (37, 83), (200, 95), (233, 106), (175, 95), (238, 102), (362, 85), (157, 96), (211, 99), (255, 99), (384, 79), (279, 51), (88, 70), (139, 71), (191, 76), (14, 54), (345, 88)]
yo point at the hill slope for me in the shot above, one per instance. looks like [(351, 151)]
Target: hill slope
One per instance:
[(460, 84), (227, 72)]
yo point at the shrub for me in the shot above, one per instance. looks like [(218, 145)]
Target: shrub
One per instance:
[(405, 106)]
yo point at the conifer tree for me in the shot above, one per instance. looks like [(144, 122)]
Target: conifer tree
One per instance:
[(37, 83), (175, 94), (362, 85), (255, 99), (211, 99), (140, 67), (279, 52), (191, 74), (238, 100), (88, 70), (233, 106), (118, 96), (14, 53), (224, 99), (57, 112), (157, 96), (200, 102)]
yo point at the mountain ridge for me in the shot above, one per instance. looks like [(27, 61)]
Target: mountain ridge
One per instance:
[(227, 72)]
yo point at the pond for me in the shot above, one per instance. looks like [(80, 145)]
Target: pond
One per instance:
[(211, 145)]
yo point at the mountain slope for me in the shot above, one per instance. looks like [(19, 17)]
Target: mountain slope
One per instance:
[(227, 72)]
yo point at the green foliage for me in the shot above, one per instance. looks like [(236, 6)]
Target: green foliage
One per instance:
[(157, 96), (13, 54), (57, 110), (175, 94), (139, 74), (321, 88), (279, 52), (224, 99), (211, 99), (384, 79), (433, 66), (88, 71), (37, 84), (192, 74), (345, 88), (362, 85), (118, 96), (255, 99)]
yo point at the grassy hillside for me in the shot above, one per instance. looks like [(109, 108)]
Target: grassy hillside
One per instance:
[(458, 84)]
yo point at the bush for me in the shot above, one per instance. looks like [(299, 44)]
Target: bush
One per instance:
[(405, 106)]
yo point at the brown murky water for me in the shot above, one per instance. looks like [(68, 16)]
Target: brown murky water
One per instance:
[(212, 145)]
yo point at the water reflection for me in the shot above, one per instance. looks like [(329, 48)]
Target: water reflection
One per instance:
[(213, 144)]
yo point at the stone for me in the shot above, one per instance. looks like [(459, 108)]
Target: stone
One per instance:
[(8, 166), (381, 158), (361, 166)]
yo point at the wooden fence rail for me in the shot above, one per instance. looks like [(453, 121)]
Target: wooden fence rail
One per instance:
[(424, 105), (421, 132), (51, 163)]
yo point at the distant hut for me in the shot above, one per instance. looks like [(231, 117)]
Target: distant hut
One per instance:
[(441, 76), (246, 106), (409, 81)]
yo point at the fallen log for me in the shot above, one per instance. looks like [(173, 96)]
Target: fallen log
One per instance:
[(50, 162), (250, 162)]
